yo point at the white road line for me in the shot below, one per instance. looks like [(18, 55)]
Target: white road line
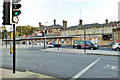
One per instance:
[(84, 70)]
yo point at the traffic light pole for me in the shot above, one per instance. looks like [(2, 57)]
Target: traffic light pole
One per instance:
[(44, 39), (6, 40), (14, 54), (84, 40)]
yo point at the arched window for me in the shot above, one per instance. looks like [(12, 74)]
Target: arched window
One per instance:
[(96, 40), (93, 40)]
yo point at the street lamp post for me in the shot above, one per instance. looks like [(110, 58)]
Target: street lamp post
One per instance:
[(45, 35)]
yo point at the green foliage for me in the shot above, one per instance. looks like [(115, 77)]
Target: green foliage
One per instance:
[(4, 32), (25, 30)]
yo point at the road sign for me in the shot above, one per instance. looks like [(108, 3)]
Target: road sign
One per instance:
[(15, 19)]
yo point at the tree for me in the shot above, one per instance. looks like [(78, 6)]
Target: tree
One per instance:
[(26, 30)]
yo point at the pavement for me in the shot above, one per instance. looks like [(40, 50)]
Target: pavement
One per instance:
[(81, 51), (8, 74)]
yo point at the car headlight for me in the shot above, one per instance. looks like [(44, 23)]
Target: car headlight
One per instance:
[(96, 46)]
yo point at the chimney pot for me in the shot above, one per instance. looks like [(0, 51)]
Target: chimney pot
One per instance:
[(39, 24), (54, 22), (64, 24), (80, 22), (106, 21)]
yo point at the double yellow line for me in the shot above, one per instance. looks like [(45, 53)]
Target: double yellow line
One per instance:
[(42, 76)]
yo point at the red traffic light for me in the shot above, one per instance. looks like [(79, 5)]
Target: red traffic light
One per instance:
[(16, 6)]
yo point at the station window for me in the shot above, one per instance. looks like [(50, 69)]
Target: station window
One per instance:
[(93, 30), (90, 30), (100, 29), (96, 40), (96, 30), (109, 29), (81, 31)]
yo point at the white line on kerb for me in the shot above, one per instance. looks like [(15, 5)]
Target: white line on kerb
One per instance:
[(84, 70)]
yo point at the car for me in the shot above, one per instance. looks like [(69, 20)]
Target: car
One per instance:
[(50, 45), (81, 44), (116, 47)]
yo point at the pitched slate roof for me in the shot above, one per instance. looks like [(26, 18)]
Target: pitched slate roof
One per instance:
[(50, 27), (91, 25)]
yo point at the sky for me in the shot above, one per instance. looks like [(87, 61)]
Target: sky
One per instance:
[(90, 11)]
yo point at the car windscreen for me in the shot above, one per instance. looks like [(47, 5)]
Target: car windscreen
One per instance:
[(79, 42)]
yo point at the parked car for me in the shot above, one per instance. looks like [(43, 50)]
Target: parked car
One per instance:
[(116, 47), (55, 44), (81, 44), (50, 45)]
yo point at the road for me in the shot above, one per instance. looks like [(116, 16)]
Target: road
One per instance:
[(62, 65), (100, 48)]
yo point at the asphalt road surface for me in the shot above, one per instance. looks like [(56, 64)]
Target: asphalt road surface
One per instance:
[(62, 65)]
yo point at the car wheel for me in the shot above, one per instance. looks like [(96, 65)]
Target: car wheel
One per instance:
[(92, 48), (79, 47), (76, 47), (117, 49)]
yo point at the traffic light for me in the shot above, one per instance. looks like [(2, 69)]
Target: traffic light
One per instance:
[(15, 10), (5, 35), (45, 32), (42, 34), (6, 12)]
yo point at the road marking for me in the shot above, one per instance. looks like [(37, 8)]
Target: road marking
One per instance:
[(42, 76), (84, 70), (111, 67)]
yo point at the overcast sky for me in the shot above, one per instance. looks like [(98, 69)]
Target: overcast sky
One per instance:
[(90, 11)]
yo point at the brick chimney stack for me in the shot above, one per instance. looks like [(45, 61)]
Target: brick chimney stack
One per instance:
[(80, 22), (106, 21), (64, 24), (54, 22), (39, 24)]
